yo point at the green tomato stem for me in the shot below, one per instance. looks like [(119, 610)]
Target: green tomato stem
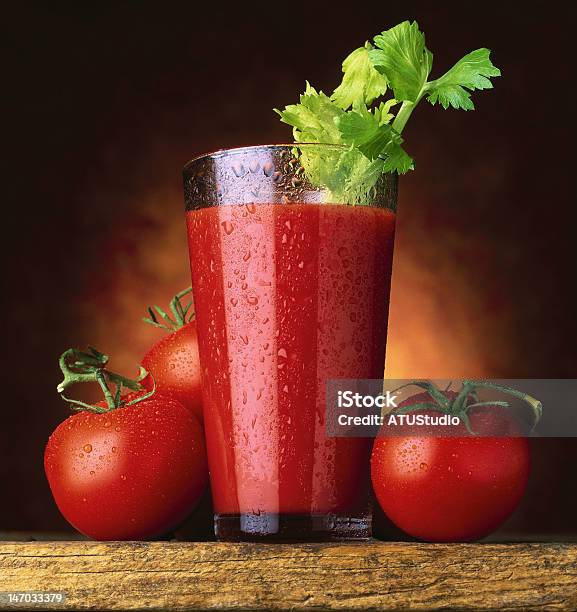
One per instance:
[(90, 366), (535, 405), (181, 313), (111, 402), (460, 406)]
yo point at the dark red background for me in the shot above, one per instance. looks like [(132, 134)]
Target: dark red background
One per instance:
[(103, 104)]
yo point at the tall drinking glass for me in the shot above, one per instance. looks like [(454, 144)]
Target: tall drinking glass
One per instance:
[(290, 252)]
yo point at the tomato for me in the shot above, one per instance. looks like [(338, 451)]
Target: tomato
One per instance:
[(174, 364), (130, 473), (443, 489)]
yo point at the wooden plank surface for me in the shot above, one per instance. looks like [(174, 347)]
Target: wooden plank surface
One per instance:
[(371, 575)]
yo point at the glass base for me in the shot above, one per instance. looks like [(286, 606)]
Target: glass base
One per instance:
[(269, 527)]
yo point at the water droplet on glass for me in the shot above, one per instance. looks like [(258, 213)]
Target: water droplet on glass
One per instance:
[(233, 301), (87, 448), (244, 339), (228, 227), (239, 170), (253, 301), (268, 169)]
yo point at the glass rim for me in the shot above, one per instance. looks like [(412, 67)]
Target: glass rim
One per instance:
[(247, 148), (206, 183)]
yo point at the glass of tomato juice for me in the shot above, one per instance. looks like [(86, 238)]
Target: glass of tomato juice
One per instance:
[(291, 257)]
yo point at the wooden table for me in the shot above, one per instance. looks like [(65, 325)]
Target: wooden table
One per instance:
[(371, 575)]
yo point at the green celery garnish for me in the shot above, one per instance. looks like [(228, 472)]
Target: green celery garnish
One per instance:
[(398, 63)]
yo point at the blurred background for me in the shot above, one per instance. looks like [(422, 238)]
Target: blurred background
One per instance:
[(104, 103)]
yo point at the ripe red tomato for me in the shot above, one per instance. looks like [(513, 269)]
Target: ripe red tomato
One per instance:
[(131, 473), (174, 363), (443, 489)]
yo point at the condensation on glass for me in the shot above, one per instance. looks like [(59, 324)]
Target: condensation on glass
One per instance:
[(290, 251), (282, 174)]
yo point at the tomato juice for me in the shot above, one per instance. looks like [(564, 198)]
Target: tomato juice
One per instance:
[(287, 296)]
